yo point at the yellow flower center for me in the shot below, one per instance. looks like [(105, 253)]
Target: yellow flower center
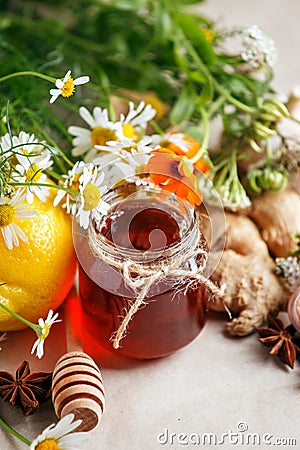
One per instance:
[(74, 184), (7, 214), (128, 130), (165, 143), (48, 444), (101, 135), (33, 173), (91, 196), (45, 332), (68, 88), (209, 34)]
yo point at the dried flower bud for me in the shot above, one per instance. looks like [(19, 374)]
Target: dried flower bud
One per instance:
[(8, 191)]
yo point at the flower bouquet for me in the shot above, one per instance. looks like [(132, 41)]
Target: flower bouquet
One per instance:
[(138, 113)]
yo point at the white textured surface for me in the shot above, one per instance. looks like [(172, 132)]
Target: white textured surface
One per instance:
[(216, 382)]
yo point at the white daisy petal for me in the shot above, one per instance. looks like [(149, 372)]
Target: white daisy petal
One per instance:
[(80, 150), (54, 95), (59, 84), (10, 231), (14, 234), (68, 442), (50, 313), (62, 434), (59, 196), (55, 92), (101, 116), (30, 198), (23, 213), (84, 219), (140, 116), (39, 192), (91, 155), (7, 235), (68, 74), (40, 349), (78, 131), (81, 80), (63, 427), (19, 232), (18, 198), (82, 141), (36, 343), (87, 117)]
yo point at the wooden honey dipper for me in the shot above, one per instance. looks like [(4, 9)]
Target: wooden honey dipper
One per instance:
[(77, 385)]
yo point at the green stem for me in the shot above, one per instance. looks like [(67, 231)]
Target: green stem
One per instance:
[(50, 142), (64, 157), (35, 327), (204, 146), (13, 432), (156, 127), (218, 87), (215, 107), (222, 175), (234, 164), (294, 120), (30, 73), (232, 100), (55, 175), (54, 186)]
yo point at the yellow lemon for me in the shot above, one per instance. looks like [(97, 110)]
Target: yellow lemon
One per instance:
[(39, 273)]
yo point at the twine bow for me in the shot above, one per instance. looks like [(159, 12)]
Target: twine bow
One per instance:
[(140, 277)]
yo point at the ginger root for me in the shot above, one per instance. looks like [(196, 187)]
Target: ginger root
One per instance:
[(277, 214), (246, 268)]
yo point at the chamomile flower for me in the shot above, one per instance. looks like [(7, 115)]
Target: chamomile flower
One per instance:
[(71, 181), (43, 331), (30, 170), (11, 209), (176, 139), (91, 190), (101, 131), (126, 145), (132, 163), (60, 436), (66, 86), (6, 145), (137, 119), (23, 143)]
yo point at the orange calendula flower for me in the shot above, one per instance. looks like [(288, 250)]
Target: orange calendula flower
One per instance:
[(173, 173), (183, 145)]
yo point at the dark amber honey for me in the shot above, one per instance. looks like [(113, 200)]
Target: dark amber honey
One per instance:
[(171, 318)]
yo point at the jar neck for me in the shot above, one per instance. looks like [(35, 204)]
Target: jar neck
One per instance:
[(181, 210)]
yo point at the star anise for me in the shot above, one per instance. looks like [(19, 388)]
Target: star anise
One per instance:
[(280, 339), (26, 390)]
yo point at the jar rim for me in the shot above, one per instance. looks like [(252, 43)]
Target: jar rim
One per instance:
[(190, 235)]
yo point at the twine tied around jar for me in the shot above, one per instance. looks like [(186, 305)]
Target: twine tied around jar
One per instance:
[(140, 277)]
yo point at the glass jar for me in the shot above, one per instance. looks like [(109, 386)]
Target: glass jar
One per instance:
[(145, 232)]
